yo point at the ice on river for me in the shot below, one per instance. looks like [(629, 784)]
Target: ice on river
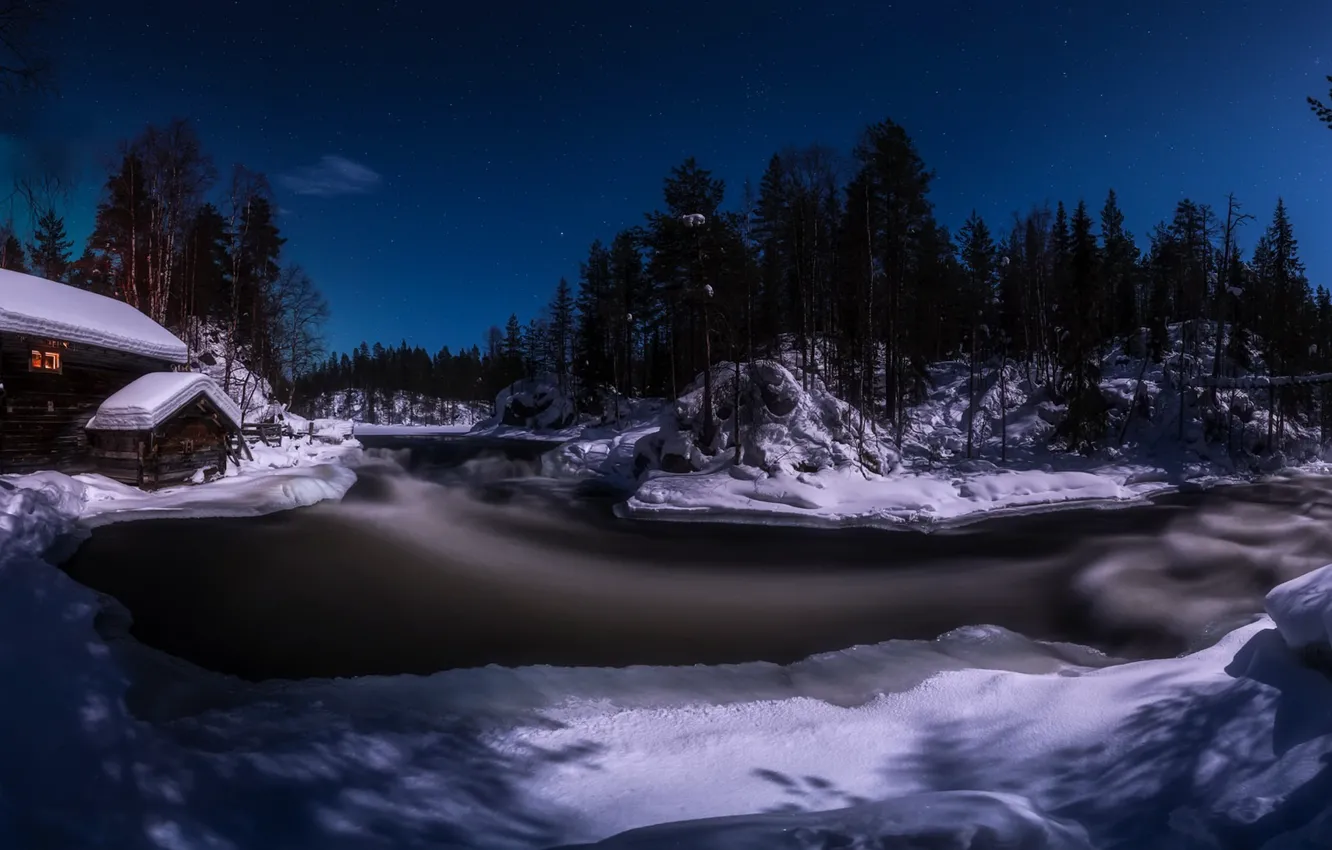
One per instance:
[(112, 745)]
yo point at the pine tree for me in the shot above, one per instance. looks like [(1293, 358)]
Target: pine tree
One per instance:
[(1281, 292), (11, 254), (1119, 277), (50, 247), (536, 348), (562, 333), (591, 335), (897, 183), (979, 264), (1084, 421), (119, 240), (628, 310), (512, 353)]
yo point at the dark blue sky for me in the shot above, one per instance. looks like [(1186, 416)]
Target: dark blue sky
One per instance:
[(483, 146)]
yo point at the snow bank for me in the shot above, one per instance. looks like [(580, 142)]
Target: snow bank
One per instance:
[(280, 478), (43, 308), (364, 430), (833, 497), (1227, 747), (150, 400), (1302, 610), (962, 819)]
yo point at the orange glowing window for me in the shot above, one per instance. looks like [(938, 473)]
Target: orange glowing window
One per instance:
[(44, 361)]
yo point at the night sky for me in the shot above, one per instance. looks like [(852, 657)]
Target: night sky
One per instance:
[(439, 165)]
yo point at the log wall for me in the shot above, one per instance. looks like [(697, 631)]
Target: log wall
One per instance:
[(42, 414)]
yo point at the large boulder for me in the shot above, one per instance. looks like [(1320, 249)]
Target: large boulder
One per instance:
[(534, 404), (783, 426), (1302, 611)]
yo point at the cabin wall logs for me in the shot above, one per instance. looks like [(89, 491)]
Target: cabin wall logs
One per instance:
[(43, 413)]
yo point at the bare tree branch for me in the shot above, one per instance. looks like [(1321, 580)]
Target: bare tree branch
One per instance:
[(23, 60)]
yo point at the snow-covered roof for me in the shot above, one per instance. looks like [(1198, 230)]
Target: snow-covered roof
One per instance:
[(32, 305), (152, 399)]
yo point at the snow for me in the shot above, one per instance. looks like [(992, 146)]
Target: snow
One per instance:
[(840, 498), (364, 430), (1302, 610), (251, 391), (806, 459), (278, 478), (532, 405), (1224, 747), (150, 400), (949, 818), (980, 738), (42, 308)]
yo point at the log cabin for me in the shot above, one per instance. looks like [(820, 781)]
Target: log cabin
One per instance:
[(64, 351), (165, 428)]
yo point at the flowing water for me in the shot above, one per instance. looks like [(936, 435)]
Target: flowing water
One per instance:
[(456, 557)]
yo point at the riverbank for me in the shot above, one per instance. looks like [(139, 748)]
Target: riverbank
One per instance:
[(114, 745)]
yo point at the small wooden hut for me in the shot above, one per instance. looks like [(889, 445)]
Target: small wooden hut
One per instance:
[(62, 352), (165, 428)]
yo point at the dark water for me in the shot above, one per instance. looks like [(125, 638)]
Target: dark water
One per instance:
[(469, 560)]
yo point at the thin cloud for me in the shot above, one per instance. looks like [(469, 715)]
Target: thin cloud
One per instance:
[(334, 176)]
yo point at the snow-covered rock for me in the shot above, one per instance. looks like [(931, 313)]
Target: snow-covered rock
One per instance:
[(1302, 611), (533, 404), (783, 427)]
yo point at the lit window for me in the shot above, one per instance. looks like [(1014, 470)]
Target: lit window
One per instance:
[(44, 361)]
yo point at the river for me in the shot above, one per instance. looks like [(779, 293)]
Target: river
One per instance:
[(462, 556)]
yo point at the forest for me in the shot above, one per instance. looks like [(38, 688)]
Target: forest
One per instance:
[(202, 256), (839, 262)]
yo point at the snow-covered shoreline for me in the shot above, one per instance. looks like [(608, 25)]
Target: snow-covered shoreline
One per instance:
[(295, 474), (979, 729)]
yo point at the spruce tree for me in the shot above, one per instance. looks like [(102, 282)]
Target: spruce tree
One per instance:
[(979, 265), (1120, 255), (50, 247), (512, 353), (1084, 420), (905, 236), (561, 333), (11, 254), (591, 337)]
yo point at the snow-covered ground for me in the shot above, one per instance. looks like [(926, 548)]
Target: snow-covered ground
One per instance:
[(807, 457), (980, 736), (295, 474), (365, 430), (836, 497)]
